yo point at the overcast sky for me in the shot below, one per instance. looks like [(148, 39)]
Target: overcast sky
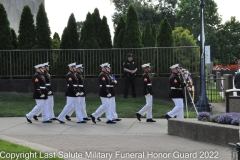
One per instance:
[(58, 11)]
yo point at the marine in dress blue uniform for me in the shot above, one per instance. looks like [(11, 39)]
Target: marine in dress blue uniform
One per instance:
[(148, 93), (105, 95), (40, 95), (176, 94)]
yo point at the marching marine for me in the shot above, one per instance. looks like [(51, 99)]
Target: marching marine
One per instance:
[(147, 91), (104, 94), (72, 94), (40, 95), (81, 90), (176, 94)]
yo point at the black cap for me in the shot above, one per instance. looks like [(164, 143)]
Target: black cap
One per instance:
[(129, 55)]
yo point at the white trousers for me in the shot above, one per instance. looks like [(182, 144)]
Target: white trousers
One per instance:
[(147, 109), (71, 101), (50, 102), (178, 109), (41, 105), (112, 104), (104, 107), (112, 107), (82, 107)]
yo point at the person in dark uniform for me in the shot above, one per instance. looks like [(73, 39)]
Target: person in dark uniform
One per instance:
[(130, 69), (72, 94), (81, 89), (176, 94), (105, 95), (40, 95), (147, 91), (237, 82), (50, 100)]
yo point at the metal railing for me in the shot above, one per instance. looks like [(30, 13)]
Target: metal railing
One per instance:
[(215, 89), (20, 63)]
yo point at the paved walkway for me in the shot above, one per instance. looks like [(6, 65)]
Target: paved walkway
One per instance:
[(126, 140)]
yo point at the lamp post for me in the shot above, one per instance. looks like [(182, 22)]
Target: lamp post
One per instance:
[(202, 104)]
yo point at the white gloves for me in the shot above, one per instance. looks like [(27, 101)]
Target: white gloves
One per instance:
[(115, 81), (81, 93), (109, 95), (77, 94), (42, 96), (50, 92)]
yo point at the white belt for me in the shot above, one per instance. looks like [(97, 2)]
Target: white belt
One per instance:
[(176, 88), (48, 84), (75, 85), (149, 84), (80, 85), (107, 85), (42, 87)]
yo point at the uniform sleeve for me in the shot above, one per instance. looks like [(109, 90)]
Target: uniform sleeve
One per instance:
[(102, 80), (125, 65), (175, 82), (145, 86), (69, 79), (36, 81)]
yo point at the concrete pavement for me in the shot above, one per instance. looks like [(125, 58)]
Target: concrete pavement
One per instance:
[(128, 139)]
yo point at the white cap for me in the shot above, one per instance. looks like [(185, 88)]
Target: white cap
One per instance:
[(79, 66), (38, 66), (72, 64), (174, 66), (104, 65), (46, 64), (146, 65), (108, 66)]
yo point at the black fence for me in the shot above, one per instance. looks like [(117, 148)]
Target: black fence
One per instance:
[(20, 63)]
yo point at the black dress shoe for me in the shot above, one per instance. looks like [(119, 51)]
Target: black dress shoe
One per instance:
[(35, 117), (60, 121), (29, 120), (86, 119), (150, 120), (82, 122), (47, 121), (53, 119), (117, 119), (68, 118), (98, 119), (110, 122), (93, 119), (138, 116), (167, 116)]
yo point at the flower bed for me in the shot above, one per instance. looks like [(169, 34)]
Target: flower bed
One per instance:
[(232, 118)]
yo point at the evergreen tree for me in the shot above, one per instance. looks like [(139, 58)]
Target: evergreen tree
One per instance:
[(56, 36), (66, 40), (88, 34), (120, 26), (120, 39), (14, 39), (72, 29), (132, 33), (154, 33), (97, 23), (55, 43), (27, 33), (148, 40), (105, 40), (164, 36), (5, 36), (43, 30)]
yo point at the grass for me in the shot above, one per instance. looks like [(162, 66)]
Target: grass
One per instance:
[(10, 149), (19, 104)]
